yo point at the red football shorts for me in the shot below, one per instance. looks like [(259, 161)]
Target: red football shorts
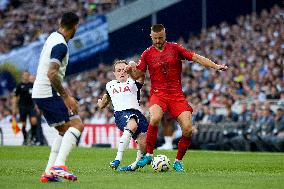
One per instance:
[(173, 104)]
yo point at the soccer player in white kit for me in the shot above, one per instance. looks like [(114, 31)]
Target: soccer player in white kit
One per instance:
[(58, 107), (124, 93)]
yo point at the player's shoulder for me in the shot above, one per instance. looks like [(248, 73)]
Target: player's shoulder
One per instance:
[(112, 82), (56, 38), (130, 80), (148, 50)]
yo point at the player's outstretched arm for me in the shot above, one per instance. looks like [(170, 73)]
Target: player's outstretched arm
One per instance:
[(208, 63), (133, 71), (52, 74), (102, 103)]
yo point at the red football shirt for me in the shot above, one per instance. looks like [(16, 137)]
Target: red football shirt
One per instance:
[(165, 67)]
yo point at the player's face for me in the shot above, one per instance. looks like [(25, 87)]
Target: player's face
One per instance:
[(73, 31), (26, 76), (119, 73), (158, 39)]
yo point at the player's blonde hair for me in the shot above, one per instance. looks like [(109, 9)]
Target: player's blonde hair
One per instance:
[(119, 62)]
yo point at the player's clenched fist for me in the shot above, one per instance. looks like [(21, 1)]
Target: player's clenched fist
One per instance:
[(130, 66), (222, 67)]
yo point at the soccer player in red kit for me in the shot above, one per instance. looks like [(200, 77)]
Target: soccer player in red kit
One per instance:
[(164, 63)]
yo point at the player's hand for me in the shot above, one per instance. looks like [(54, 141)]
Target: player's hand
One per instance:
[(129, 67), (71, 104), (222, 67), (100, 102), (14, 112)]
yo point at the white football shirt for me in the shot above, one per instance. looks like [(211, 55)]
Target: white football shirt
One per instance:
[(124, 95), (55, 50)]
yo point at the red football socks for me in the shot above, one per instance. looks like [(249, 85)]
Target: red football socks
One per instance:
[(183, 145), (151, 138)]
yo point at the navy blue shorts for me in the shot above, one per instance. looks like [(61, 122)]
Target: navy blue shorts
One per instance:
[(122, 117), (54, 110), (25, 112)]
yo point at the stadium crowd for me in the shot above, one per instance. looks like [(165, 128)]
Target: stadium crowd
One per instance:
[(20, 27), (253, 48)]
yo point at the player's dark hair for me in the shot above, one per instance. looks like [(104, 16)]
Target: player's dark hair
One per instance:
[(69, 20), (157, 28), (119, 62)]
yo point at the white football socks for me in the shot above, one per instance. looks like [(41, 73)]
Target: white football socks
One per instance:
[(123, 143), (53, 153), (138, 157), (168, 140), (69, 140)]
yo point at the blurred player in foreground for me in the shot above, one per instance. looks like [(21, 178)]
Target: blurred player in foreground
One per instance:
[(164, 62), (58, 107), (124, 93)]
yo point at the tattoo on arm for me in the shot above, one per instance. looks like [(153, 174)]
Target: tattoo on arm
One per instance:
[(54, 79)]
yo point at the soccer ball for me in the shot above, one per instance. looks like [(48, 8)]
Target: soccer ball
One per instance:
[(161, 163)]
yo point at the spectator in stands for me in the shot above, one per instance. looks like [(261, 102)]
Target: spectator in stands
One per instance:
[(231, 116), (245, 114), (253, 132), (273, 95), (277, 141), (266, 122)]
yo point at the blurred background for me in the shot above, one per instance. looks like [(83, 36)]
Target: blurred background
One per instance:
[(241, 109)]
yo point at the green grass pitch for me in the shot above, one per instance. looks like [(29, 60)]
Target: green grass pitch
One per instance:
[(20, 167)]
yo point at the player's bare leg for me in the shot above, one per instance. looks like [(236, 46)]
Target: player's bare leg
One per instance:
[(185, 121), (156, 114)]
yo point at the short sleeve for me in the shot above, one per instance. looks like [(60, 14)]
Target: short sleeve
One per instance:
[(142, 64), (58, 52), (139, 85), (107, 89), (107, 93), (186, 54), (17, 90)]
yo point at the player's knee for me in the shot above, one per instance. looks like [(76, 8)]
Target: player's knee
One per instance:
[(80, 127), (76, 123), (33, 121), (187, 131), (24, 124), (132, 125), (155, 120)]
